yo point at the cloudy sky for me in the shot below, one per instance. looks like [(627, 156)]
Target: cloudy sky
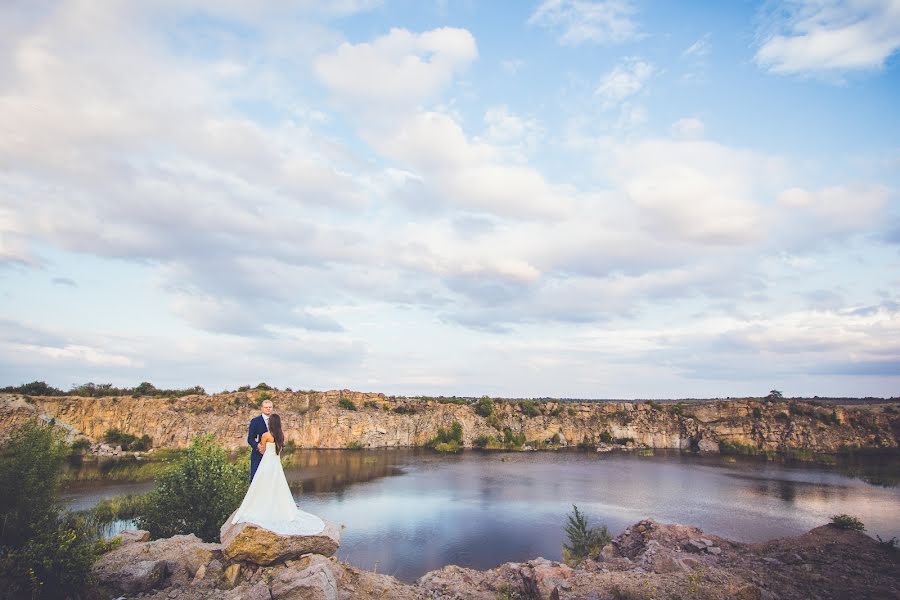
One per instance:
[(576, 198)]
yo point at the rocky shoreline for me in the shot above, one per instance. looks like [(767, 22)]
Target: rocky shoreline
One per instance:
[(325, 420), (648, 560)]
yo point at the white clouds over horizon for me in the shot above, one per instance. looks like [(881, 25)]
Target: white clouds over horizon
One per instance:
[(384, 203)]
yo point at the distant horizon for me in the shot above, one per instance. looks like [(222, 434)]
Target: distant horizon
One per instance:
[(589, 198), (291, 389)]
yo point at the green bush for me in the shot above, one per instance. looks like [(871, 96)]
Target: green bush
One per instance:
[(354, 445), (484, 407), (587, 443), (847, 522), (196, 494), (482, 441), (606, 437), (44, 552), (127, 441), (584, 542), (555, 439), (530, 408), (346, 404), (80, 446), (447, 440), (513, 440), (405, 410)]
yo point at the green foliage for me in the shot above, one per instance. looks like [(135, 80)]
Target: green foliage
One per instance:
[(484, 407), (354, 445), (530, 408), (35, 388), (757, 412), (109, 510), (571, 410), (80, 446), (555, 439), (678, 409), (346, 404), (263, 386), (405, 410), (127, 441), (775, 395), (587, 443), (584, 542), (513, 440), (844, 521), (494, 422), (196, 494), (623, 441), (654, 405), (100, 390), (44, 552), (370, 404), (606, 437), (728, 447), (447, 440), (482, 441)]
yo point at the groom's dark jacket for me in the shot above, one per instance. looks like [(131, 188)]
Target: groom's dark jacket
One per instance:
[(257, 429)]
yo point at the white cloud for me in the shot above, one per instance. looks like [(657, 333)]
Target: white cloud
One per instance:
[(699, 49), (832, 36), (399, 69), (623, 81), (699, 191), (598, 21), (837, 209), (688, 127)]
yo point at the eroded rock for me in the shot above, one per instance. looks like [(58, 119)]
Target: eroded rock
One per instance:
[(255, 544)]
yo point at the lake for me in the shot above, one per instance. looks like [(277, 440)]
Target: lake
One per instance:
[(408, 511)]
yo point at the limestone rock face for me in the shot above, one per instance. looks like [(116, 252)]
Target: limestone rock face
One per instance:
[(255, 544), (317, 420)]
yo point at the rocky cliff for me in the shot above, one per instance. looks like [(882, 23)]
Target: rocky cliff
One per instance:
[(326, 420)]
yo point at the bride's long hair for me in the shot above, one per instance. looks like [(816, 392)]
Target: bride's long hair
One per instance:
[(277, 433)]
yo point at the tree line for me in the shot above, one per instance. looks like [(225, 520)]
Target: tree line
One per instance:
[(97, 390)]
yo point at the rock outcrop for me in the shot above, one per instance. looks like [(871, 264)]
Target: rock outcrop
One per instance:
[(321, 420), (648, 560), (249, 542)]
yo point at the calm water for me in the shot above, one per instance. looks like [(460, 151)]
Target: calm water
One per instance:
[(410, 511)]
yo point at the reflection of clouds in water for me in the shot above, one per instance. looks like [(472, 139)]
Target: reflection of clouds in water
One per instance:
[(412, 511)]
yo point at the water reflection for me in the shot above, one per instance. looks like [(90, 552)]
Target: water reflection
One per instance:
[(410, 510)]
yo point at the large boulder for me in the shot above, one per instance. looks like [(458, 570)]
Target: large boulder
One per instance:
[(176, 559), (253, 543)]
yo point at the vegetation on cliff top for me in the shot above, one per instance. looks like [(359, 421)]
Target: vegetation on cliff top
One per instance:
[(100, 390)]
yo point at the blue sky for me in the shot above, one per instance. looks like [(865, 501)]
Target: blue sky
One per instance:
[(572, 198)]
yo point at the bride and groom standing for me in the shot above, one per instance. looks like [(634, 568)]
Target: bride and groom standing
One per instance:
[(269, 502)]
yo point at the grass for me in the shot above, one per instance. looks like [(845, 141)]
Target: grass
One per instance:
[(845, 521)]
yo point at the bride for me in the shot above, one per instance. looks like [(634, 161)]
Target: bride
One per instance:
[(269, 502)]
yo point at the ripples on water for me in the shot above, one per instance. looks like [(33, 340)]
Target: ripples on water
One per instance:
[(409, 510)]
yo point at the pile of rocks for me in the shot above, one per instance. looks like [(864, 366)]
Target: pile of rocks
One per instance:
[(251, 562)]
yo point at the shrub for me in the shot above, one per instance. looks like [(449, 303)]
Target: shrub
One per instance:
[(571, 410), (44, 553), (127, 441), (35, 388), (81, 445), (530, 408), (196, 494), (586, 443), (447, 440), (654, 405), (678, 409), (405, 410), (354, 445), (847, 522), (757, 413), (346, 404), (484, 407), (482, 441), (513, 440), (555, 439), (606, 437), (584, 542), (889, 545), (370, 404)]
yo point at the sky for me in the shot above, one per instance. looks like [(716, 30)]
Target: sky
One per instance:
[(565, 198)]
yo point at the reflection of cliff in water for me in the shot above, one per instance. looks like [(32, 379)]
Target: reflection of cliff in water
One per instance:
[(332, 471)]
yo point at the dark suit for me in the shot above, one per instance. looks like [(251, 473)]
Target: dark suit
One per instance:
[(257, 429)]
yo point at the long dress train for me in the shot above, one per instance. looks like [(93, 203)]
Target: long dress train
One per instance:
[(270, 504)]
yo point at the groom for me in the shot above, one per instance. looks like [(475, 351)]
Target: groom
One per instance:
[(258, 426)]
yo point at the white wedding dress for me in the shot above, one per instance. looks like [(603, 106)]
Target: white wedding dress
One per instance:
[(270, 504)]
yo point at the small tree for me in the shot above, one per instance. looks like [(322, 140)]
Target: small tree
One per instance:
[(44, 552), (584, 542), (775, 395), (196, 494), (484, 407)]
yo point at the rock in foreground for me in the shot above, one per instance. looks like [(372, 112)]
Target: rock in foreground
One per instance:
[(648, 560), (255, 544)]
